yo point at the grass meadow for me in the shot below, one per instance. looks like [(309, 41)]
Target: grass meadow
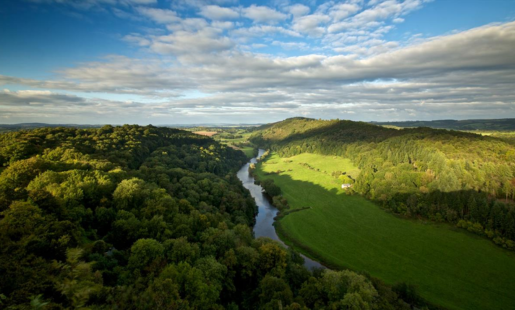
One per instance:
[(248, 150), (450, 267)]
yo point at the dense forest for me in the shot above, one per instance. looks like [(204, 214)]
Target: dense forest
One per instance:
[(149, 218), (471, 124), (457, 177)]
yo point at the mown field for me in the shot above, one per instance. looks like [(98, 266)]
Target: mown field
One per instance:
[(449, 266)]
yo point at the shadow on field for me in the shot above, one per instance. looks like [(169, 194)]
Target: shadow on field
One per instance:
[(451, 266)]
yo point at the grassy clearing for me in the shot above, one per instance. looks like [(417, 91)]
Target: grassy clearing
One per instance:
[(450, 267), (234, 143), (249, 151)]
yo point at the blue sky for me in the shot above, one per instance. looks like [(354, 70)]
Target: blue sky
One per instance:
[(228, 61)]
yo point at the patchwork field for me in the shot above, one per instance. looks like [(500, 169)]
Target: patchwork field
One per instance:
[(206, 133), (450, 267)]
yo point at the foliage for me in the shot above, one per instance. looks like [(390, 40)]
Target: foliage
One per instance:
[(270, 188), (137, 217)]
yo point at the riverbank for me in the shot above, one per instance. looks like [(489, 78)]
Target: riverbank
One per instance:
[(264, 226)]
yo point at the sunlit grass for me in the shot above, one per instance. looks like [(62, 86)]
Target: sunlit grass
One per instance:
[(248, 150), (450, 267)]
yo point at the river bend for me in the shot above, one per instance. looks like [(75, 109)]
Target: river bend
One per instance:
[(264, 226)]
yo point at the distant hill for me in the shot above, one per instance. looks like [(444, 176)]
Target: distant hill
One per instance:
[(25, 126), (22, 126), (470, 124)]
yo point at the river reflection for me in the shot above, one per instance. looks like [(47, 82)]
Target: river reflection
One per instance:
[(266, 211)]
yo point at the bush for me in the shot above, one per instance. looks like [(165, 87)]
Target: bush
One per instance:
[(270, 188)]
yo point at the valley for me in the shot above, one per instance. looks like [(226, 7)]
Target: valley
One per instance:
[(257, 155), (450, 267), (332, 214)]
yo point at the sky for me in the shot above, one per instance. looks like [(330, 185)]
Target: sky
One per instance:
[(228, 61)]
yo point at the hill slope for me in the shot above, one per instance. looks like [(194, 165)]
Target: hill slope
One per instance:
[(443, 175)]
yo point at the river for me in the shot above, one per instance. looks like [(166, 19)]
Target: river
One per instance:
[(264, 226)]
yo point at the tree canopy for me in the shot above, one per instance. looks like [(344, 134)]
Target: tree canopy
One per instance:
[(138, 217)]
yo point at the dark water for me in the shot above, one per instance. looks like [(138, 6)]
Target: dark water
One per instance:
[(266, 212)]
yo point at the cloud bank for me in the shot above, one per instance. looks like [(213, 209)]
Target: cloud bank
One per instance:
[(221, 64)]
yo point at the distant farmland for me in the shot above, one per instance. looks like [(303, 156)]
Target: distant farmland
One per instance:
[(206, 133)]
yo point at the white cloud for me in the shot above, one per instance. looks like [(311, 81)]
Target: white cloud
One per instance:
[(471, 71), (186, 4), (357, 37), (125, 14), (368, 48), (291, 45), (263, 14), (263, 30), (206, 40), (116, 75), (343, 10), (159, 15), (215, 12), (222, 24), (470, 54), (311, 24), (259, 45), (37, 97), (298, 10), (469, 51), (136, 39), (189, 24), (374, 16)]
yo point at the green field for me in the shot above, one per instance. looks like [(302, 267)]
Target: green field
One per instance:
[(450, 267), (248, 150)]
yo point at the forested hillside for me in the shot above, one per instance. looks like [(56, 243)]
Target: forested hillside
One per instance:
[(443, 175), (148, 218), (471, 124)]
